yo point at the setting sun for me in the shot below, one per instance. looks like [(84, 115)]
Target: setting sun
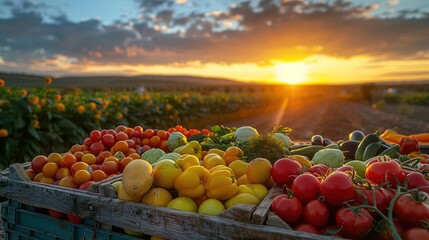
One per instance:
[(292, 73)]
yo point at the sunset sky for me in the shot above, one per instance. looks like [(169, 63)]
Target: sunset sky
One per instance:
[(292, 41)]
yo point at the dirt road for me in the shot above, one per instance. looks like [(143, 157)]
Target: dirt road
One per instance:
[(330, 117)]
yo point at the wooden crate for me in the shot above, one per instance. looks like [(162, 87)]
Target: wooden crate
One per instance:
[(239, 222)]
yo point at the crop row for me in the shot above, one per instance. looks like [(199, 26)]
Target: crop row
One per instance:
[(43, 120), (419, 98)]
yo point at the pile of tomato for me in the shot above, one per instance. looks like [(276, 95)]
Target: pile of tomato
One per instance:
[(389, 202)]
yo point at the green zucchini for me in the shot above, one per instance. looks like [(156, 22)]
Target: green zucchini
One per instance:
[(367, 140), (392, 152), (371, 151), (307, 151)]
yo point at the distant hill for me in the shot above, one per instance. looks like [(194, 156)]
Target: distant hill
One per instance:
[(149, 81)]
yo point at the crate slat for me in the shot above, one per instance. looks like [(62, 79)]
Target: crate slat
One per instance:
[(159, 221)]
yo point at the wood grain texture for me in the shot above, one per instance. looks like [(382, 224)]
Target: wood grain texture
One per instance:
[(276, 221), (17, 171), (239, 212), (159, 221), (260, 214)]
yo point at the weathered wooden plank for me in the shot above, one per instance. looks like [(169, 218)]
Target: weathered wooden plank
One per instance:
[(260, 214), (159, 221), (95, 187), (239, 212), (276, 221), (17, 172), (25, 165), (107, 191)]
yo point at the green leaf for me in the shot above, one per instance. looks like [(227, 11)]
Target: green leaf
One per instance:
[(32, 131), (95, 101), (19, 123)]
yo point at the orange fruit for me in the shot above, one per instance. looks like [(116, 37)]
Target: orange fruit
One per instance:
[(165, 173), (80, 166), (243, 180), (89, 158), (145, 141), (134, 155), (30, 173), (162, 134), (239, 167), (157, 197), (155, 141), (124, 162), (38, 177), (62, 173), (128, 131), (120, 128), (38, 162), (232, 154), (103, 155), (55, 157), (68, 160), (68, 182), (163, 146), (47, 180), (50, 169), (121, 146), (109, 167), (112, 158), (81, 176), (259, 170), (79, 155), (76, 148), (148, 133), (98, 175), (130, 151)]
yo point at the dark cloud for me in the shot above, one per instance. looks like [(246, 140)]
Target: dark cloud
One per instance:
[(150, 5), (286, 30), (164, 16)]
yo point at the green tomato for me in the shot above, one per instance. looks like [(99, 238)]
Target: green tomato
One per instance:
[(359, 167)]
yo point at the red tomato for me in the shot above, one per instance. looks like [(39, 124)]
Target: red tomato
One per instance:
[(108, 140), (331, 230), (285, 170), (287, 208), (306, 187), (95, 135), (337, 188), (74, 219), (121, 136), (412, 210), (354, 224), (320, 170), (387, 172), (306, 228), (417, 180), (347, 169), (56, 214), (386, 234), (415, 233), (87, 141), (96, 148), (381, 198), (316, 214)]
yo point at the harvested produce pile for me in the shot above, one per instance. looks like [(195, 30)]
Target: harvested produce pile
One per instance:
[(365, 186)]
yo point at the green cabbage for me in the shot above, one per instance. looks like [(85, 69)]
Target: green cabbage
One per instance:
[(153, 155), (175, 140), (333, 158), (172, 156), (284, 139), (245, 133)]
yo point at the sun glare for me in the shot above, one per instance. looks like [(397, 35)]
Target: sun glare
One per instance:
[(292, 73)]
